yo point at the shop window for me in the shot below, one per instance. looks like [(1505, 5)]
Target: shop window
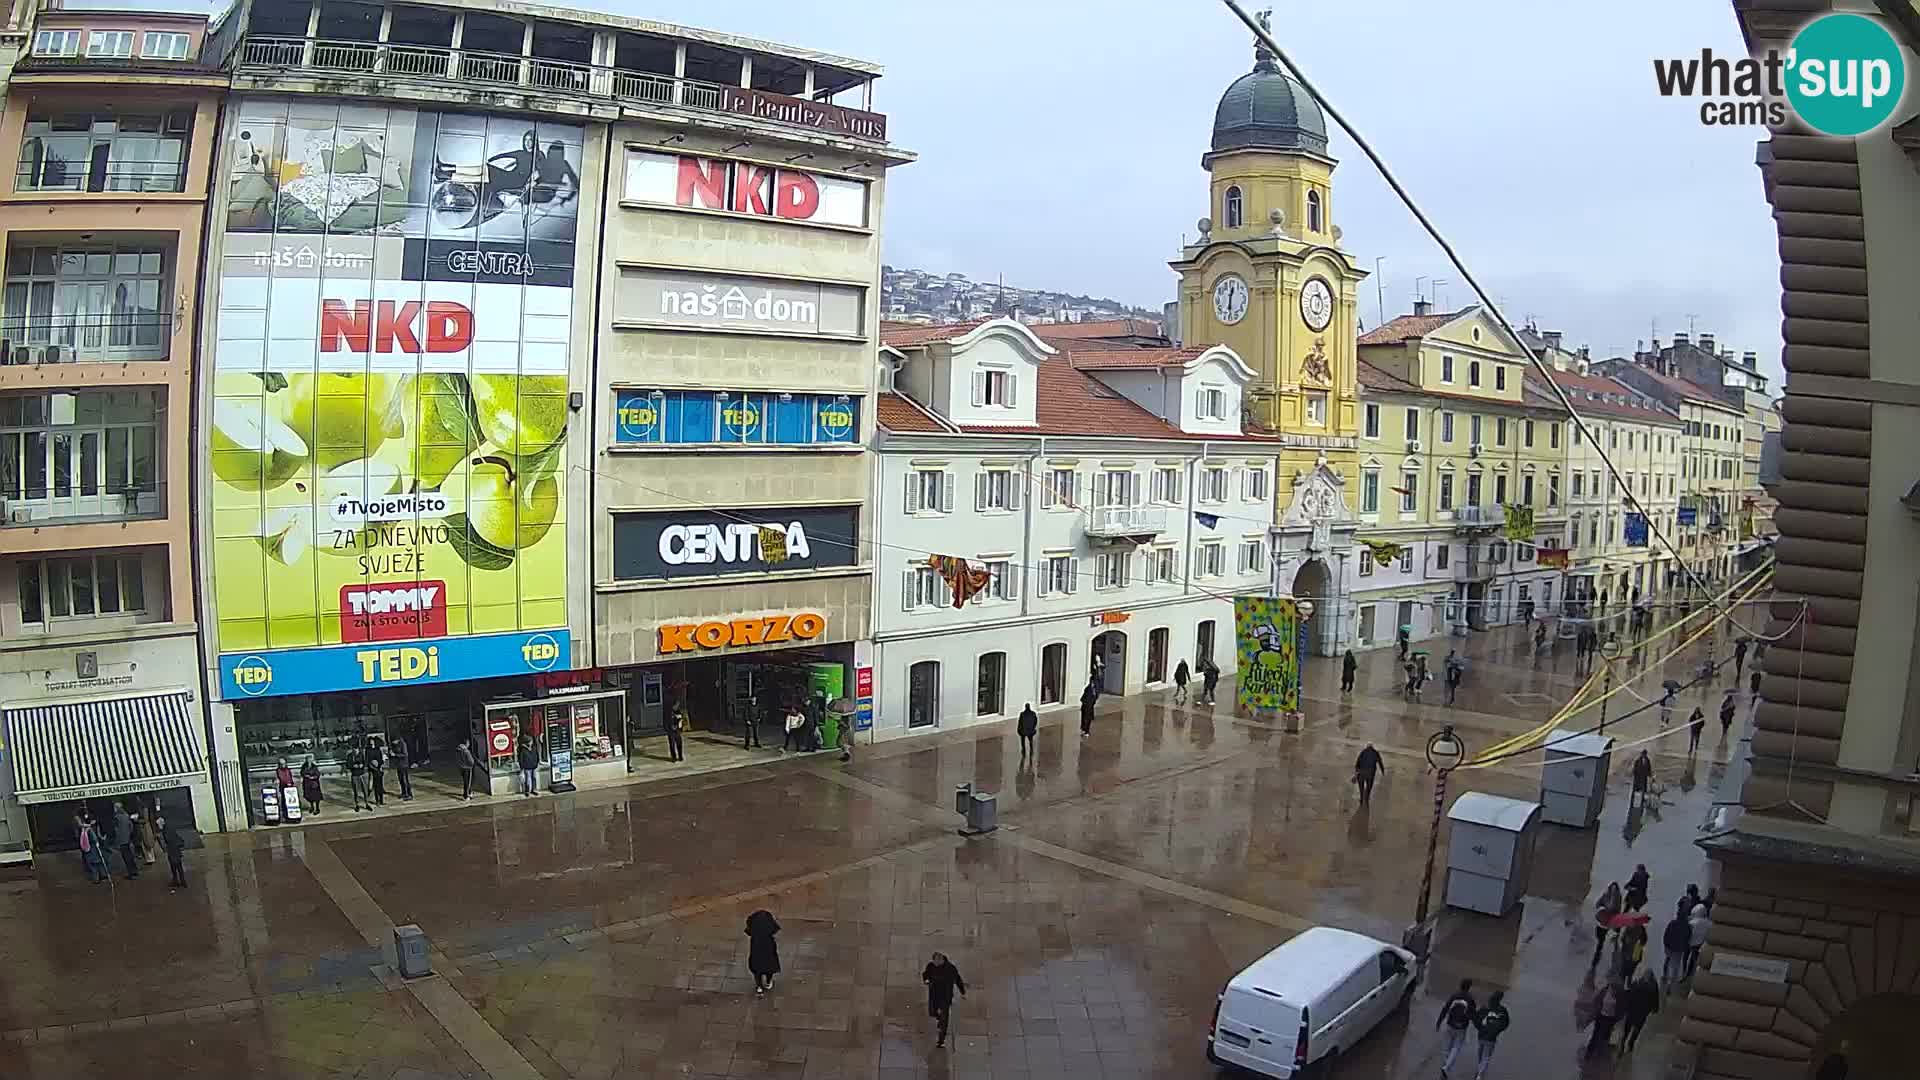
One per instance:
[(990, 695), (734, 418), (1157, 654), (104, 151), (923, 694), (1053, 673)]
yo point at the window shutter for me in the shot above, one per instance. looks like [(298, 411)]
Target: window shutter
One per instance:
[(1045, 581), (1099, 489), (946, 491), (1135, 486), (1048, 494), (1016, 480), (1073, 574), (1079, 492), (1012, 578), (913, 492), (1013, 392), (980, 491), (1200, 404), (979, 388), (909, 595)]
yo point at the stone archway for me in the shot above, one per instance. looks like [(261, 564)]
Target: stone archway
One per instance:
[(1313, 581)]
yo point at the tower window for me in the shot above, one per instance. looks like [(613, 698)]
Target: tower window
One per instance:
[(1313, 211), (1232, 210)]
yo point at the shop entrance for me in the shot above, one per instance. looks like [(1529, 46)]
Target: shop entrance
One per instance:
[(1053, 673), (52, 824), (1109, 665), (724, 697)]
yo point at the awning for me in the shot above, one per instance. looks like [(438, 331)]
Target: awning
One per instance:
[(94, 749)]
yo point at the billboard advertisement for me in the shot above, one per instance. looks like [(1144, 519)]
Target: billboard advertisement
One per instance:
[(387, 443), (702, 543), (718, 185), (702, 417), (1267, 635)]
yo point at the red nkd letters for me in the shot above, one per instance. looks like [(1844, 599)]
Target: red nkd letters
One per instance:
[(763, 191), (387, 326)]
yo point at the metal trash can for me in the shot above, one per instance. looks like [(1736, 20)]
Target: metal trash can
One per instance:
[(983, 815), (962, 797), (410, 950)]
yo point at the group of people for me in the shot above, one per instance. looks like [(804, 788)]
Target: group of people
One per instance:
[(1209, 681), (1625, 992), (941, 977), (1461, 1013), (367, 760), (137, 832)]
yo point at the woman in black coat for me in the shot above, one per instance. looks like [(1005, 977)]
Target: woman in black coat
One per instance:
[(942, 979), (763, 954)]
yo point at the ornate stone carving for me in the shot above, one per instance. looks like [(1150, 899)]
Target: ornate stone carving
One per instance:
[(1314, 366)]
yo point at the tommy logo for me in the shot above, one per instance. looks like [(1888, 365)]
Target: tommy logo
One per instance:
[(393, 612)]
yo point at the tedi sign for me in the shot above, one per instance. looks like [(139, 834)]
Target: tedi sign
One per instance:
[(703, 543), (1844, 75)]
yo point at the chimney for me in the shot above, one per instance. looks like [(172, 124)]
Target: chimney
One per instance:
[(1750, 359), (1586, 355), (1553, 338), (1422, 307), (1679, 340), (1706, 343)]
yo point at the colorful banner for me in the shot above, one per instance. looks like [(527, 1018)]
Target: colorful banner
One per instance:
[(1268, 633), (1385, 552), (390, 413), (1519, 522)]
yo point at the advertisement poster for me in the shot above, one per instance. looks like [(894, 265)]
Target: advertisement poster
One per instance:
[(388, 432), (500, 742), (1519, 522), (559, 751), (1267, 636)]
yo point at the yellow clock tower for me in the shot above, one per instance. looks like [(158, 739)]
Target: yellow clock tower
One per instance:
[(1267, 277)]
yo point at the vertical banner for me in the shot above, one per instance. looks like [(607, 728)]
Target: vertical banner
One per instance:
[(1267, 635), (387, 456)]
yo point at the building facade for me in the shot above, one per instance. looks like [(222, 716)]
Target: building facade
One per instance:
[(111, 119), (1106, 500), (1462, 480), (1810, 967), (460, 248), (1614, 560)]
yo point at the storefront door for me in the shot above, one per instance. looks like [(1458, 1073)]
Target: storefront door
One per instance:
[(1053, 673), (1157, 654), (923, 694)]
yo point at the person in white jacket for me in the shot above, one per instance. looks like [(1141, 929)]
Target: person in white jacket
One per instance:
[(1699, 925)]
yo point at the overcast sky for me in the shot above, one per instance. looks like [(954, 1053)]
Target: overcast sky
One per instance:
[(1060, 144)]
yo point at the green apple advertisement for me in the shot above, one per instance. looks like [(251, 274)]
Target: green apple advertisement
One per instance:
[(388, 432)]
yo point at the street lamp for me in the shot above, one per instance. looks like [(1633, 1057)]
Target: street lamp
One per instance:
[(1610, 651), (1445, 752)]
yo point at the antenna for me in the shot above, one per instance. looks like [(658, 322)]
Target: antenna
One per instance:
[(1437, 283), (1690, 318), (1379, 290)]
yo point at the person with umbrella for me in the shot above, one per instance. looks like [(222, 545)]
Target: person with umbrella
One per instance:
[(1637, 884), (1605, 910), (1403, 640), (763, 953)]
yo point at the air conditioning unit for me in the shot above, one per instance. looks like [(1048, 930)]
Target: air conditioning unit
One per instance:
[(19, 515), (1476, 449), (1414, 446)]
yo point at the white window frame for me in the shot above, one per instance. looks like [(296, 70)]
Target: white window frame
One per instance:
[(1442, 556), (1413, 421), (1410, 497), (1213, 484), (1371, 415), (1473, 373), (115, 44), (125, 569), (1316, 408), (995, 388), (924, 588), (1112, 570), (1061, 490), (1366, 564), (1406, 559), (996, 490), (1446, 369), (1162, 564), (1165, 485), (1210, 559), (1369, 491), (1252, 556), (1444, 492), (1253, 484), (56, 43), (1002, 584), (177, 46), (1059, 575), (1118, 488), (1446, 427), (1211, 403)]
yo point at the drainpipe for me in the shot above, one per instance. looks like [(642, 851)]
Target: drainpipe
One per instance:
[(1193, 491), (1026, 523)]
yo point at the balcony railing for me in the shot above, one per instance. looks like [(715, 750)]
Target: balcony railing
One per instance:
[(1117, 521), (465, 66), (115, 175), (75, 502), (1479, 517), (97, 339)]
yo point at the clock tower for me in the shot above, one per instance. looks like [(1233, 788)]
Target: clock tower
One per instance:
[(1268, 278)]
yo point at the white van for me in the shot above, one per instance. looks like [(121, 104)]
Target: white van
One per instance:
[(1307, 1000)]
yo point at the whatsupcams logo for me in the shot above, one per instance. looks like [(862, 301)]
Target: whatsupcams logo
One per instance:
[(1844, 75)]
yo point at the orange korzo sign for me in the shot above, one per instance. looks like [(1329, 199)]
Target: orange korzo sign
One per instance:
[(763, 630)]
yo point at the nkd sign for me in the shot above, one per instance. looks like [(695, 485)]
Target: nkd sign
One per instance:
[(710, 301), (744, 187), (699, 543)]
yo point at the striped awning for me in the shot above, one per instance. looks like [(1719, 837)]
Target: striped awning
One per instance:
[(89, 749)]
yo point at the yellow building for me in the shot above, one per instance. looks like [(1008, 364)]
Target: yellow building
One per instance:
[(1267, 278), (1461, 470)]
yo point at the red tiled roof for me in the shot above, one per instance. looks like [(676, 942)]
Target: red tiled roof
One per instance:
[(1090, 359), (896, 412), (1378, 379), (908, 335), (1579, 386), (1685, 387), (1404, 327), (1103, 328)]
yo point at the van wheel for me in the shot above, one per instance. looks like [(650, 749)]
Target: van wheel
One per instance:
[(1330, 1062)]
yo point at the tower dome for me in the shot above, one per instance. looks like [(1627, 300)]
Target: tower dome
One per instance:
[(1266, 110)]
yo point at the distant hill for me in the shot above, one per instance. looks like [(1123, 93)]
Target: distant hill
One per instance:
[(911, 295)]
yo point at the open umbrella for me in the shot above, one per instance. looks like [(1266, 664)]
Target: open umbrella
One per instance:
[(842, 706), (1626, 919)]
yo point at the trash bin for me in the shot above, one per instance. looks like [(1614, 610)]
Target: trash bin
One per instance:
[(1489, 851), (410, 950), (982, 815), (1573, 782), (962, 798)]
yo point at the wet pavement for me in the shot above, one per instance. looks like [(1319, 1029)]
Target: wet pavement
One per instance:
[(599, 934)]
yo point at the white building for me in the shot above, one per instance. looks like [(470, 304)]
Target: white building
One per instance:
[(1613, 564), (1110, 498)]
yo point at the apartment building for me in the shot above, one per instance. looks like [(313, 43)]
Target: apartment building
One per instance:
[(1614, 557), (109, 119), (1047, 518), (1462, 480), (488, 273)]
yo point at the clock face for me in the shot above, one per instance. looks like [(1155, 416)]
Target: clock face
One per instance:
[(1230, 299), (1316, 304)]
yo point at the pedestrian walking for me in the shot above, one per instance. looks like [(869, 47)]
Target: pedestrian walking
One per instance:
[(1457, 1012), (1696, 723), (310, 785), (1726, 715), (1688, 901), (1666, 704), (1539, 639), (1087, 697), (176, 852), (1421, 676), (677, 732), (763, 953), (1606, 1015), (795, 730), (1641, 1000), (1632, 950), (1364, 766), (463, 757), (1604, 909), (1642, 778), (1413, 679), (1180, 677), (1349, 667), (1739, 658), (145, 843), (1675, 940), (750, 733), (1753, 681), (1028, 727), (93, 856), (1699, 925), (1489, 1025), (357, 774), (1210, 680), (377, 769), (1403, 640), (1637, 884), (942, 979), (1456, 669), (529, 766), (402, 757), (123, 840)]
